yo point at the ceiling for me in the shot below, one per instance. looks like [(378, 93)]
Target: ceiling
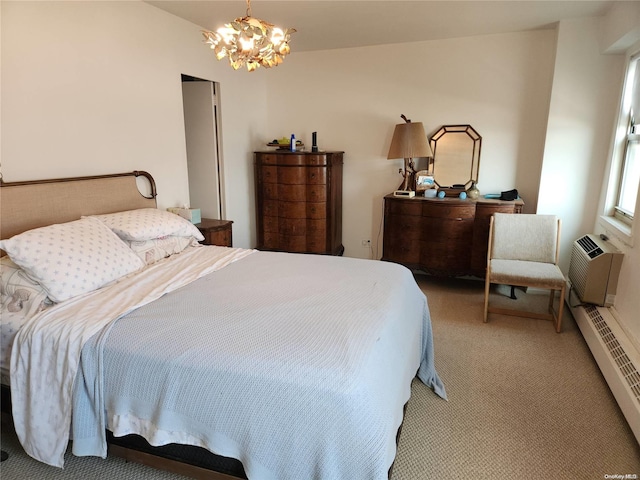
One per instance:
[(327, 24)]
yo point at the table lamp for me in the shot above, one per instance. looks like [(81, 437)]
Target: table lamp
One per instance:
[(409, 141)]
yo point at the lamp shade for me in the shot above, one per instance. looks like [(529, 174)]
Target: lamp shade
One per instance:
[(409, 141)]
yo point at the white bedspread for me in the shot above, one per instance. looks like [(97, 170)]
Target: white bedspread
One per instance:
[(46, 351), (297, 365)]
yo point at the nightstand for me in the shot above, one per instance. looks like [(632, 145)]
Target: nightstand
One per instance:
[(216, 232)]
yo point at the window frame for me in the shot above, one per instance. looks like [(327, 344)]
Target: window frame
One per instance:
[(621, 213), (613, 215)]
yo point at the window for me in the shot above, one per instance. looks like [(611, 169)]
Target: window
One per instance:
[(629, 173)]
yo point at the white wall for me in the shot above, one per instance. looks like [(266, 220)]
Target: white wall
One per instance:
[(500, 84), (94, 87), (584, 98)]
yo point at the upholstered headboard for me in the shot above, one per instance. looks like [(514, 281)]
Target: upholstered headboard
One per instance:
[(33, 204)]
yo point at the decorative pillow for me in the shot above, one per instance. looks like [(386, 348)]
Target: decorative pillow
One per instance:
[(22, 291), (149, 223), (151, 251), (73, 258), (20, 299)]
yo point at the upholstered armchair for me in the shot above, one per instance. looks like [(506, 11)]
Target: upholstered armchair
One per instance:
[(523, 251)]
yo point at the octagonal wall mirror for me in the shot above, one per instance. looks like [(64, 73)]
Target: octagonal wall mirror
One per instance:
[(456, 155)]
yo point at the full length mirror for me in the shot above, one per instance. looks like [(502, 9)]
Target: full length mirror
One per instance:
[(456, 155)]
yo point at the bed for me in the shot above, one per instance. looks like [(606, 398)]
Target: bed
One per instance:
[(269, 365)]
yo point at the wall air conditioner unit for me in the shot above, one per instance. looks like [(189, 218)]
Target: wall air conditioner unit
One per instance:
[(594, 269)]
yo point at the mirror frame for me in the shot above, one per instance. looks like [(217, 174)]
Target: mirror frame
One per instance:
[(474, 154)]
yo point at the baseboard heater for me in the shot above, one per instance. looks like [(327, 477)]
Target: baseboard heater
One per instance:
[(617, 358)]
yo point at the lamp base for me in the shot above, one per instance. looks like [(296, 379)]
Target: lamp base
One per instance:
[(404, 193)]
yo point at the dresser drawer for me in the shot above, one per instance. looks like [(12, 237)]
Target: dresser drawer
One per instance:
[(270, 224), (292, 243), (449, 211), (404, 227), (302, 210), (403, 206), (316, 243), (316, 176), (302, 226), (271, 240), (270, 208), (222, 238), (216, 232), (267, 159), (295, 193), (270, 191), (269, 174), (291, 159), (405, 251), (300, 175)]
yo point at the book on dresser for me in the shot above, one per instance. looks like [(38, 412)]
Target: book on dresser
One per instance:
[(441, 236), (299, 201)]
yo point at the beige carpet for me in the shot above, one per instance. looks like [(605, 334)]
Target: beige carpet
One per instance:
[(524, 403)]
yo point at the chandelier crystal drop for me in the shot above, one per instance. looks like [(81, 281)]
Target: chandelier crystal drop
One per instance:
[(250, 41)]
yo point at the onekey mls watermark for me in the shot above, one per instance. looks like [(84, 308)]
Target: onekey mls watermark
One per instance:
[(621, 476)]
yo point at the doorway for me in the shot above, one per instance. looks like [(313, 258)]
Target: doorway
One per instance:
[(204, 166)]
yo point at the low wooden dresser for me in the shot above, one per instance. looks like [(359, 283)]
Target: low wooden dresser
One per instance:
[(299, 201), (447, 236)]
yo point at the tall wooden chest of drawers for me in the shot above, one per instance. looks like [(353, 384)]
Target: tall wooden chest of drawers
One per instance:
[(299, 201), (445, 236)]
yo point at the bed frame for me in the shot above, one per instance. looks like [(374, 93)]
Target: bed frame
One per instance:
[(38, 203), (33, 204)]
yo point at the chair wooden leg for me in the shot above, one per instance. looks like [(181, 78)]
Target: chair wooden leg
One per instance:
[(557, 315), (560, 310), (487, 285), (552, 297)]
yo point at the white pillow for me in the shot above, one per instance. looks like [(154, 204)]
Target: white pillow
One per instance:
[(148, 224), (73, 258)]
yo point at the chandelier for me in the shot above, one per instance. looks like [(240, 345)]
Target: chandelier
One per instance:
[(250, 41)]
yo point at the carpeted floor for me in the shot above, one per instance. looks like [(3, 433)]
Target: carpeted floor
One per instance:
[(524, 403)]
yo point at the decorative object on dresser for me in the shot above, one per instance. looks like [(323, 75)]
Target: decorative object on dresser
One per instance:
[(216, 232), (409, 141), (456, 157), (473, 192), (299, 201), (441, 236)]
